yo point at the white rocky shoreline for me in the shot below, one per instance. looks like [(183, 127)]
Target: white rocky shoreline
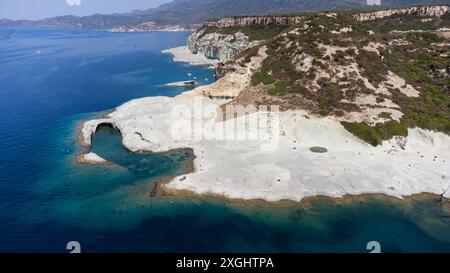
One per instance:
[(182, 54), (240, 169)]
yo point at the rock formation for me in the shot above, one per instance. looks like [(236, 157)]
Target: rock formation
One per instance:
[(218, 46), (254, 20), (225, 47), (432, 11)]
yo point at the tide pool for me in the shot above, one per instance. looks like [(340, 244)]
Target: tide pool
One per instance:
[(51, 80)]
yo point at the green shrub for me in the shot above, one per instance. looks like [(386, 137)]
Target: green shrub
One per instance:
[(385, 115), (279, 89), (374, 135), (373, 68), (380, 99), (300, 90), (339, 113), (447, 83), (324, 112), (319, 150), (392, 128), (263, 78), (369, 134), (424, 37), (334, 92), (249, 54)]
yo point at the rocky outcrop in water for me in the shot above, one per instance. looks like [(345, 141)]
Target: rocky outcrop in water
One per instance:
[(431, 11)]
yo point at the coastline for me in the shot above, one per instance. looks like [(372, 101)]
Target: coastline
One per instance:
[(404, 202), (182, 54), (137, 30), (352, 168)]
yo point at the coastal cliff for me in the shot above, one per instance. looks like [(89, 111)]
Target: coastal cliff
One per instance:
[(224, 39), (218, 46), (253, 20), (214, 41), (152, 26), (430, 11)]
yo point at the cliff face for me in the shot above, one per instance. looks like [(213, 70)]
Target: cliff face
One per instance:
[(431, 11), (218, 46), (254, 20), (152, 26), (225, 47)]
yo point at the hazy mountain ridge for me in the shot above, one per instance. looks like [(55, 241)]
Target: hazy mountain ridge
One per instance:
[(192, 12), (89, 22)]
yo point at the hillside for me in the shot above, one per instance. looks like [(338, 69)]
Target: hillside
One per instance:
[(349, 87), (185, 13), (377, 73)]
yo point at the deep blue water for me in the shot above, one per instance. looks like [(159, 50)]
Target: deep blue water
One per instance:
[(51, 80)]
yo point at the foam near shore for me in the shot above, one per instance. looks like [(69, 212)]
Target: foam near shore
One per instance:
[(241, 169)]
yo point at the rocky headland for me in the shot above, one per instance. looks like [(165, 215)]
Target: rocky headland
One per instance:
[(374, 101)]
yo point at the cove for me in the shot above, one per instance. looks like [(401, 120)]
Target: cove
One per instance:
[(107, 143)]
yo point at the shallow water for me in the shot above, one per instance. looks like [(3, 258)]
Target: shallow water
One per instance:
[(107, 142), (52, 80)]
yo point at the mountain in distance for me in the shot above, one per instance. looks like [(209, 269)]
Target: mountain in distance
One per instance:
[(193, 12), (96, 21)]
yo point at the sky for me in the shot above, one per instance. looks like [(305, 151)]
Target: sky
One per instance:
[(38, 9)]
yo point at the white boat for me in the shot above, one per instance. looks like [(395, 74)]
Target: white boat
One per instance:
[(182, 84)]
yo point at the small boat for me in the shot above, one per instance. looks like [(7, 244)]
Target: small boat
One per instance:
[(190, 83), (183, 178), (182, 84)]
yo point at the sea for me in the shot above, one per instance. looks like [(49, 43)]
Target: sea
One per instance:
[(53, 80)]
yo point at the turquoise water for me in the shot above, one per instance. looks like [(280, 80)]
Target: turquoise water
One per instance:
[(51, 80)]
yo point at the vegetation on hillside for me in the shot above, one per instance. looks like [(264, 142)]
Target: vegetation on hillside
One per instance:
[(327, 62), (253, 32)]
